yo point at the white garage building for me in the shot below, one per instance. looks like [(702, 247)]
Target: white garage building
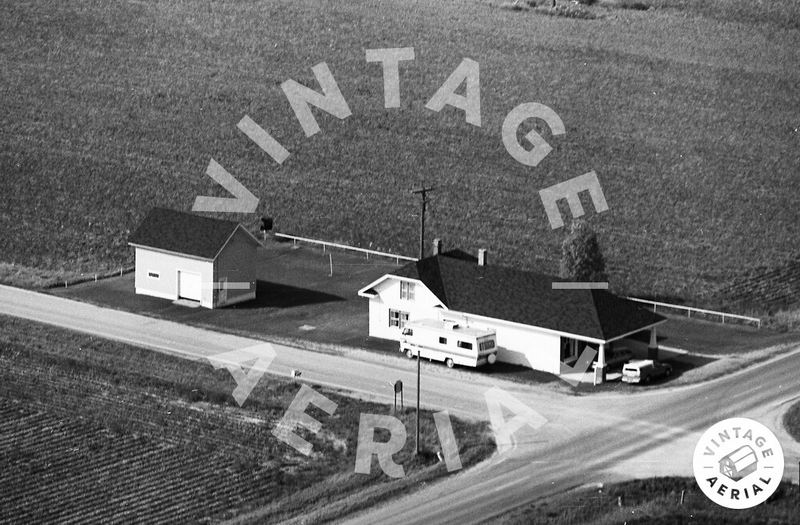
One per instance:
[(186, 256), (536, 326)]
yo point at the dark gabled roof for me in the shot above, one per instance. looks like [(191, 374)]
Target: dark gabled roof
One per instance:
[(527, 298), (181, 232)]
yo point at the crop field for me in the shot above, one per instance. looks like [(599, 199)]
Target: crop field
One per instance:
[(689, 113), (93, 431)]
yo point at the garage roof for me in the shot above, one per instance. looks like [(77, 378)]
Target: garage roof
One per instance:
[(184, 233), (527, 298)]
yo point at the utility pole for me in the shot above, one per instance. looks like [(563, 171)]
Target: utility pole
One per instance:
[(424, 192)]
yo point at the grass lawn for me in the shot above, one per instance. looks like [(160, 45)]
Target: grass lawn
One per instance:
[(299, 300), (710, 338), (689, 115), (98, 431), (655, 500), (791, 420)]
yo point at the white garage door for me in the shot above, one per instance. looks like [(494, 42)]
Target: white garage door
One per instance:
[(189, 285)]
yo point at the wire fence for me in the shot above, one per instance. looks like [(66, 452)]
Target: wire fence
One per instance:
[(712, 314), (86, 277), (708, 314), (327, 245), (689, 310)]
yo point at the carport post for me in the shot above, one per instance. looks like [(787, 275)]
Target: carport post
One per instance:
[(652, 348), (601, 362)]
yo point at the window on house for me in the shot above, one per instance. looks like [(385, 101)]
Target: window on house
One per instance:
[(154, 275), (442, 340), (406, 290), (465, 345), (398, 318)]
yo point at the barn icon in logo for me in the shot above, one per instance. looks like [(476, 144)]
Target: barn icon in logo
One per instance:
[(738, 463)]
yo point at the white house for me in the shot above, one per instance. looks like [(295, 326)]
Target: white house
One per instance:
[(186, 256), (536, 326)]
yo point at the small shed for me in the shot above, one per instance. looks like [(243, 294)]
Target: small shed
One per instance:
[(181, 255)]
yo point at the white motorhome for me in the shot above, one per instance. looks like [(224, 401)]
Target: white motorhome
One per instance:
[(449, 342)]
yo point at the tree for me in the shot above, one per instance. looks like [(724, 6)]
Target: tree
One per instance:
[(581, 258)]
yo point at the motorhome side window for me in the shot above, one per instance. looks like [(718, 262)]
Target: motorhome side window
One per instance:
[(406, 290), (486, 345), (465, 345)]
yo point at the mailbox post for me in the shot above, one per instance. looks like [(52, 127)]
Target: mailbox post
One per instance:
[(398, 389)]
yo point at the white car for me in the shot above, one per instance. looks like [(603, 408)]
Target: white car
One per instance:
[(644, 371)]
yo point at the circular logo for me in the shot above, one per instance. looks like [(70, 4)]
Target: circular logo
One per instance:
[(738, 463)]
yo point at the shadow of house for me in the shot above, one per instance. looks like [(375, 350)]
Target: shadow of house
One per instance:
[(277, 295)]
